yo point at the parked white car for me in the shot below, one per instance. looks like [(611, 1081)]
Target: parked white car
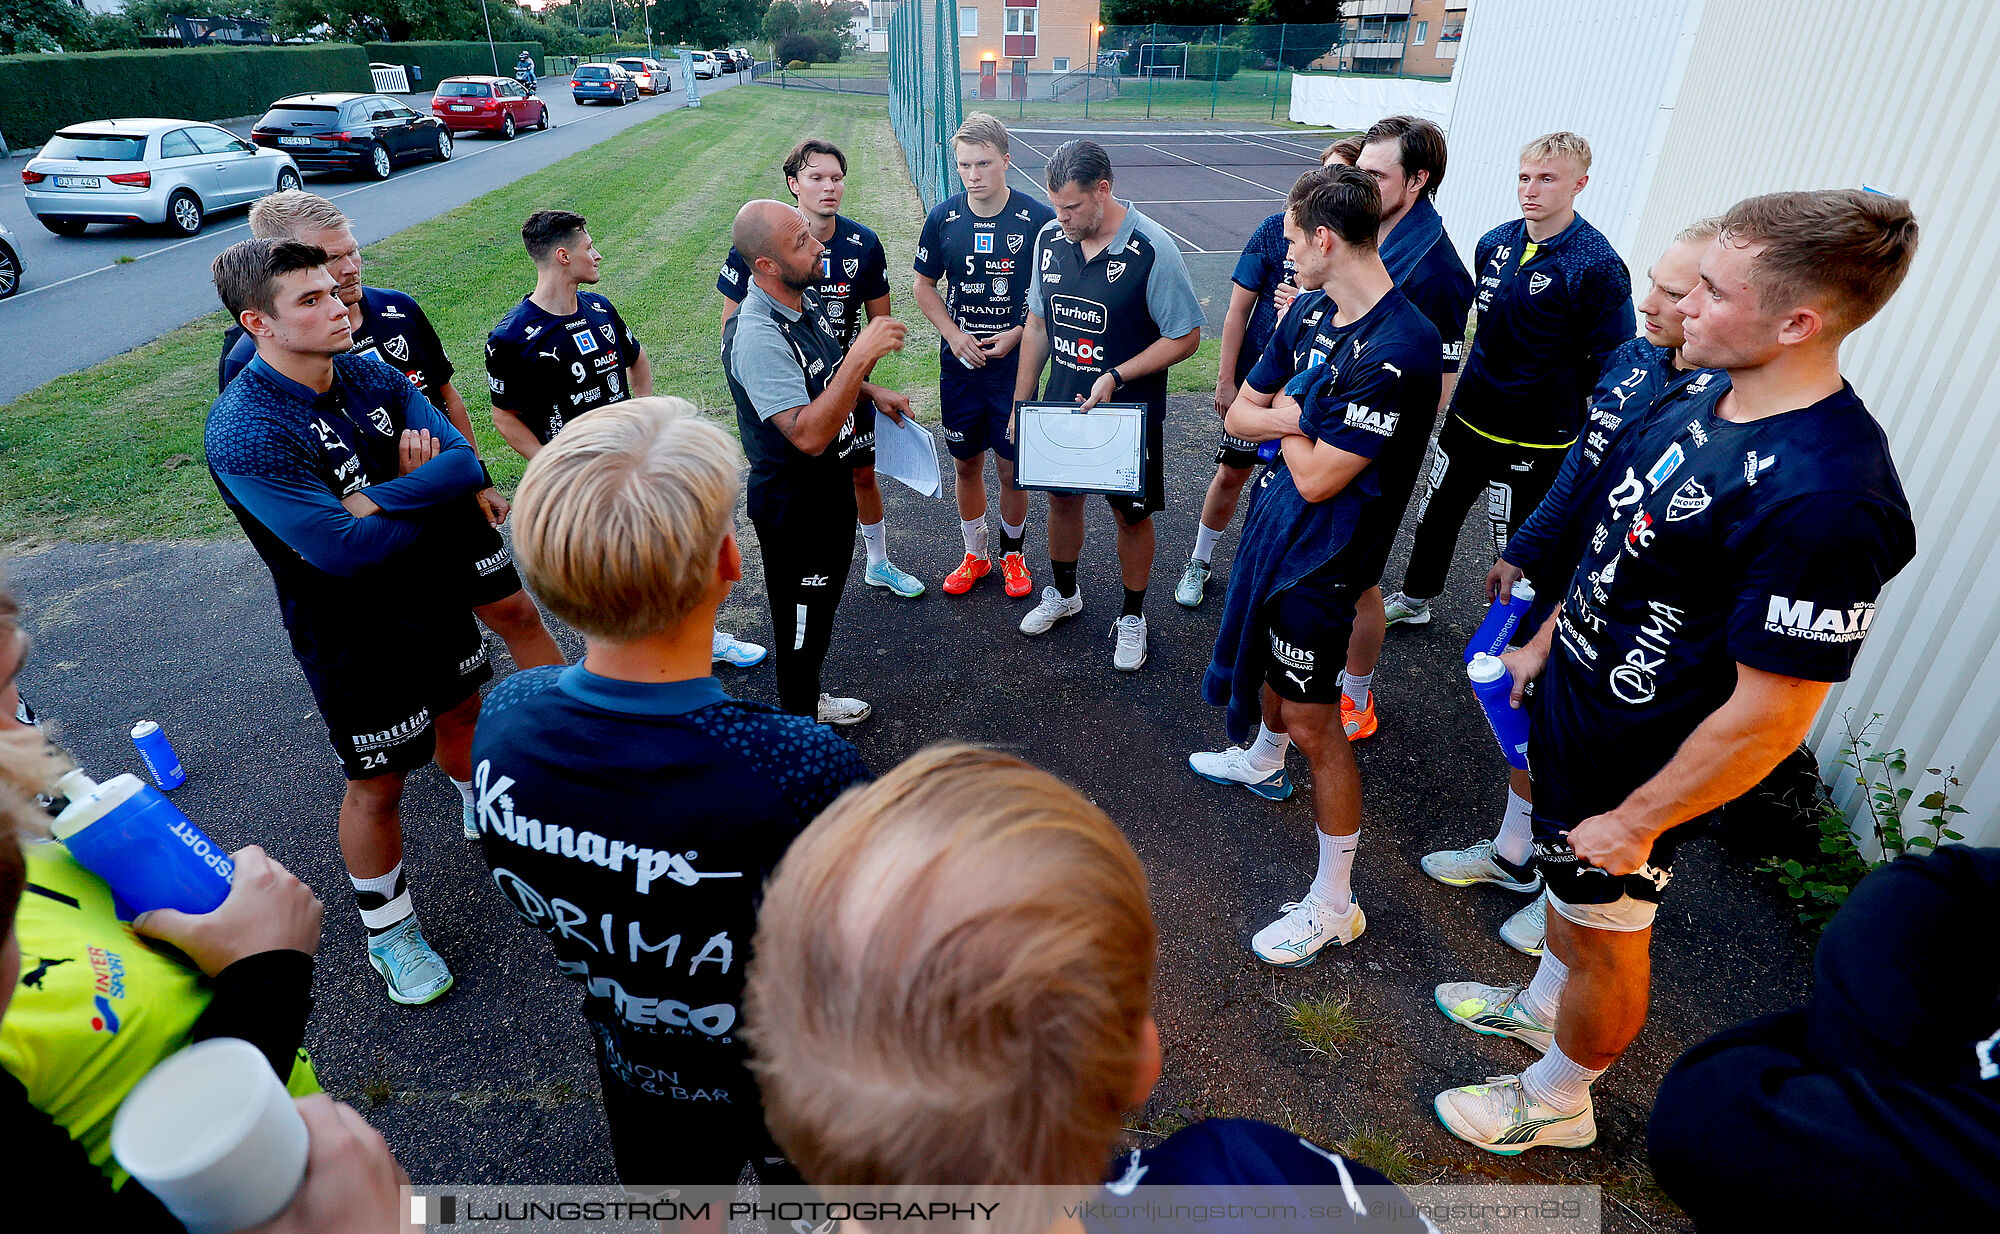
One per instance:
[(705, 65), (148, 170)]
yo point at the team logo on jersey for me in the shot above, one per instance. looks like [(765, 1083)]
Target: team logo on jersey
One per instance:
[(1665, 466), (399, 347), (983, 242), (1755, 465), (380, 419), (1537, 283), (610, 335), (851, 266), (585, 341), (1112, 270), (1688, 500), (1015, 241), (616, 383), (999, 286)]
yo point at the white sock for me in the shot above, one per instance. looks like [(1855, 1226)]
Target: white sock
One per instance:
[(1556, 1082), (1014, 530), (1516, 841), (1543, 997), (1204, 541), (974, 531), (1267, 753), (876, 537), (1356, 688), (1336, 871), (384, 900), (464, 788)]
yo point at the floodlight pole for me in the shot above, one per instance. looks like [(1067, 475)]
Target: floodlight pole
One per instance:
[(490, 49)]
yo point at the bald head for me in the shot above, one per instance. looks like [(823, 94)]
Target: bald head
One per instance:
[(760, 228)]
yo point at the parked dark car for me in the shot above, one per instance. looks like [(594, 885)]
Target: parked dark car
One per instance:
[(10, 264), (366, 133), (726, 59), (488, 105), (604, 82)]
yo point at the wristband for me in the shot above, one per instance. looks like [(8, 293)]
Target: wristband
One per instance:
[(1117, 379), (485, 475)]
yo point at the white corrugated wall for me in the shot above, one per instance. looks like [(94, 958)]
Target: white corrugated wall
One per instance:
[(1898, 94)]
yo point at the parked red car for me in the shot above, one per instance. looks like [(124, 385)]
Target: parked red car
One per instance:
[(488, 104)]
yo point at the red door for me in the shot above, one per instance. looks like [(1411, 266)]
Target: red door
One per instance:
[(988, 83), (1018, 85)]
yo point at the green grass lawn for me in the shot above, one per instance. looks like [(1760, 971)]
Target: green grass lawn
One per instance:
[(114, 452)]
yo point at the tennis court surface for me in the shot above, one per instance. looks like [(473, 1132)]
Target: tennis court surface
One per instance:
[(1208, 186)]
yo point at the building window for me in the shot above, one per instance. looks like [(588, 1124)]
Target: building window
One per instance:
[(1060, 64), (1423, 34), (968, 22), (1023, 21)]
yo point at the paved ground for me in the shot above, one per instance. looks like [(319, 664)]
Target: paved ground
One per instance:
[(82, 301), (493, 1084)]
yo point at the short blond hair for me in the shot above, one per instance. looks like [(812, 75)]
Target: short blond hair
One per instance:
[(619, 520), (981, 129), (1550, 146), (291, 214), (1845, 251), (954, 967), (1699, 230)]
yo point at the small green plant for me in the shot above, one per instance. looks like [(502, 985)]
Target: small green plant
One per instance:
[(1381, 1150), (1821, 884), (125, 259), (1323, 1025)]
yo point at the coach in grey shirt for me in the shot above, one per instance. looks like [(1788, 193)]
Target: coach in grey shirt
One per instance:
[(1111, 305), (795, 398)]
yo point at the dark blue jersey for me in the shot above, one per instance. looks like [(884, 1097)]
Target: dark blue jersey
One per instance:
[(548, 370), (283, 456), (1264, 1162), (1548, 320), (1262, 266), (635, 824), (1550, 542), (393, 330), (984, 262), (852, 271), (776, 358), (1709, 544)]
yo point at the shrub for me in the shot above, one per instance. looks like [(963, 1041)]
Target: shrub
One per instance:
[(796, 46), (1206, 62), (42, 93), (797, 64), (831, 45)]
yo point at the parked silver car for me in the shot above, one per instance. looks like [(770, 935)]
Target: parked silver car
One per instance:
[(10, 263), (172, 172)]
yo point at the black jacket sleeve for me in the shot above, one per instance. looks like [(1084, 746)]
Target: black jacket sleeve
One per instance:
[(41, 1154), (265, 1000)]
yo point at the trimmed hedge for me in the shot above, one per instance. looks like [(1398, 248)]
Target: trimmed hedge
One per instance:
[(40, 94), (440, 60), (1207, 62)]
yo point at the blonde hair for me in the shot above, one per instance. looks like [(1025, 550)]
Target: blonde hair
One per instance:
[(1699, 230), (953, 971), (30, 764), (291, 214), (1844, 250), (981, 129), (619, 520), (1551, 146)]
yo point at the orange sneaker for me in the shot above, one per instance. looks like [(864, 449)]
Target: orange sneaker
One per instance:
[(1016, 572), (960, 581), (1359, 722)]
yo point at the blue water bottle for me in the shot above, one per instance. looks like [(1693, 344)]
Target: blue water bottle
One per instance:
[(1493, 684), (158, 754), (1503, 617), (128, 834)]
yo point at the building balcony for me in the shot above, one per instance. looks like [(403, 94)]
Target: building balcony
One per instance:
[(1376, 8), (1375, 50)]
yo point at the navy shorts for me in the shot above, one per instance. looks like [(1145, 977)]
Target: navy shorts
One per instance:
[(975, 407), (1307, 631), (1136, 510), (383, 722), (1235, 452), (489, 575), (1573, 882)]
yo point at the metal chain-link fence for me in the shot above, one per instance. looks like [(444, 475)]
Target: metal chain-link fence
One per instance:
[(924, 106)]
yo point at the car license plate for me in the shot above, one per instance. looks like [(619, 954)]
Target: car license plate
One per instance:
[(79, 182), (295, 141), (461, 106)]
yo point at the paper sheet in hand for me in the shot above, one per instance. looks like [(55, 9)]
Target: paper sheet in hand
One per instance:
[(908, 453), (1099, 451)]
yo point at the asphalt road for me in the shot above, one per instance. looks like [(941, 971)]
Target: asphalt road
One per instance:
[(79, 305), (494, 1084)]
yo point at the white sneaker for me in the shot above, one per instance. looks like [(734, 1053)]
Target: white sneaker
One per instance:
[(1401, 610), (1233, 766), (1462, 867), (1528, 930), (1295, 939), (1043, 617), (1130, 653), (843, 711), (1495, 1010), (732, 650), (1500, 1117)]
